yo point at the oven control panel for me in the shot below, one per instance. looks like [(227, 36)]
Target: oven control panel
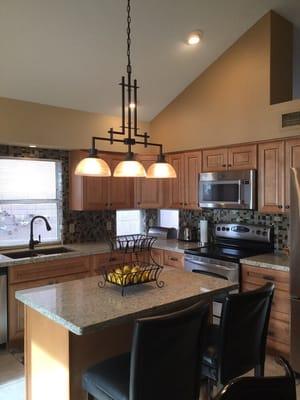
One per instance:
[(258, 233)]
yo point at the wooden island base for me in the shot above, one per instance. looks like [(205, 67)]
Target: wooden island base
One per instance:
[(56, 358)]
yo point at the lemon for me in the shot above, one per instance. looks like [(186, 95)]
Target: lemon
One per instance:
[(119, 271), (136, 268), (110, 277), (126, 269)]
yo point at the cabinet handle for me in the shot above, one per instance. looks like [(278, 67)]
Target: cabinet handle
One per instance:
[(223, 165), (173, 259), (111, 204), (106, 204), (268, 278), (185, 204), (112, 259), (271, 333), (287, 207), (181, 204), (229, 165), (280, 206)]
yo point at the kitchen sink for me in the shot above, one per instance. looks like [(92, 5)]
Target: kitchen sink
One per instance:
[(15, 255)]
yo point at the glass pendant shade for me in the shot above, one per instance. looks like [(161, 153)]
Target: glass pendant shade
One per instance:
[(161, 170), (92, 166), (130, 169)]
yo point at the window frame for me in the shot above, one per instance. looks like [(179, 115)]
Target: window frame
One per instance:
[(58, 200)]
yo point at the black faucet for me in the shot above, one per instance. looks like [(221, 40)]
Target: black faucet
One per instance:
[(33, 242)]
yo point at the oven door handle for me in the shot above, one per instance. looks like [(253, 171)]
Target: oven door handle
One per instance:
[(208, 264)]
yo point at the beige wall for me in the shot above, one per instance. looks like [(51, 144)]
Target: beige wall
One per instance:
[(228, 103), (24, 123)]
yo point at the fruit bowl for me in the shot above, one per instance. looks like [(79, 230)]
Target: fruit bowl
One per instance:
[(131, 274)]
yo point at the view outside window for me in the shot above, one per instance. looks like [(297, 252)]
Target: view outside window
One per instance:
[(129, 222), (28, 188), (169, 218)]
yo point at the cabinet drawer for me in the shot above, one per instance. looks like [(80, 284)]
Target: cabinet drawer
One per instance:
[(260, 276), (105, 260), (173, 259), (48, 269), (279, 331), (281, 301)]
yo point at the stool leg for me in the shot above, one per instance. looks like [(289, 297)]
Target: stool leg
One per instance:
[(259, 370), (209, 389)]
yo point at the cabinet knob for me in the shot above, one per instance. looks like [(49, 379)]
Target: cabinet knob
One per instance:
[(229, 165), (106, 204), (223, 165), (280, 206), (287, 207), (181, 204), (111, 204), (185, 204)]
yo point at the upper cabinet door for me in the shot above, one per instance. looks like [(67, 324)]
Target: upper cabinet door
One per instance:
[(192, 169), (242, 157), (292, 160), (175, 189), (86, 193), (120, 189), (215, 160), (271, 177), (148, 192)]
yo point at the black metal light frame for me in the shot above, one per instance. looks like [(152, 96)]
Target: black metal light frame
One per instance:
[(132, 120)]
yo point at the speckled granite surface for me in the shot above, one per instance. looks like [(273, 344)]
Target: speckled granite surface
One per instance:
[(82, 307), (86, 249), (279, 262)]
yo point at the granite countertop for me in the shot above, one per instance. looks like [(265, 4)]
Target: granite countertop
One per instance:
[(88, 249), (279, 262), (82, 307)]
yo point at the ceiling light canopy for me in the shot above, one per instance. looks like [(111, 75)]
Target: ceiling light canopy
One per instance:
[(95, 166), (194, 38)]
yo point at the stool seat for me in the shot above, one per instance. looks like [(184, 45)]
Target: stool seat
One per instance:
[(109, 379)]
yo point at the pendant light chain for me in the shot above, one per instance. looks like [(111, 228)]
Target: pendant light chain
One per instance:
[(129, 69)]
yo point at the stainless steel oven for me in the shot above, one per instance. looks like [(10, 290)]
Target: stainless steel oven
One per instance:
[(228, 189), (217, 269)]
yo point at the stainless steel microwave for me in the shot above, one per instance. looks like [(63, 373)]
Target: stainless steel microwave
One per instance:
[(228, 189)]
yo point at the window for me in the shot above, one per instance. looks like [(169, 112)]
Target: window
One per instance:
[(169, 218), (129, 222), (28, 188)]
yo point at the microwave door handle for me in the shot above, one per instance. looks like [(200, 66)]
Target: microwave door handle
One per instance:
[(240, 192)]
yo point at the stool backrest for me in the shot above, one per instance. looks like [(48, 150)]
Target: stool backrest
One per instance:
[(243, 332), (261, 388), (166, 355)]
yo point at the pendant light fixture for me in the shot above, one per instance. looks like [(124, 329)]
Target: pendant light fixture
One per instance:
[(95, 166)]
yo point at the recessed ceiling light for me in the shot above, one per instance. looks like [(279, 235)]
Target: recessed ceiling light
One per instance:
[(32, 146), (194, 38)]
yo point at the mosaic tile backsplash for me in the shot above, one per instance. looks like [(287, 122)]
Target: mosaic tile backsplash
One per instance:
[(92, 226), (280, 222)]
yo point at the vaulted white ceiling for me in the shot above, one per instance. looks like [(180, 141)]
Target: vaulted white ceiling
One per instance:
[(71, 53)]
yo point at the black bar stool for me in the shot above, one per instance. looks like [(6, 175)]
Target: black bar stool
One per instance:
[(238, 344), (260, 388), (164, 363)]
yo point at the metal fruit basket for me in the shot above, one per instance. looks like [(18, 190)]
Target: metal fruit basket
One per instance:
[(132, 274), (132, 243)]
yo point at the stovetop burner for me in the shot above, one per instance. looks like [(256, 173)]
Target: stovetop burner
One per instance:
[(235, 241)]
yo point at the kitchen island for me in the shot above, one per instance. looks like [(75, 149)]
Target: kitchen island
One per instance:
[(73, 325)]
